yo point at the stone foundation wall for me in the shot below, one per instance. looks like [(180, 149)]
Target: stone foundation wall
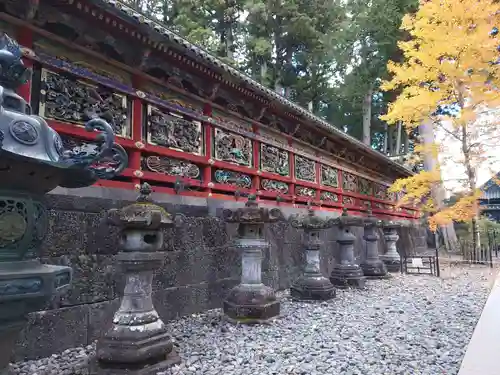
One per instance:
[(200, 263)]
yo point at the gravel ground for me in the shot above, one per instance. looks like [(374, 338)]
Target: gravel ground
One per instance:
[(415, 325)]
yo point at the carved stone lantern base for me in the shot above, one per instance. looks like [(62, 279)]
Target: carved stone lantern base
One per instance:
[(251, 304), (159, 365), (312, 288), (375, 270), (392, 265), (345, 276), (138, 343)]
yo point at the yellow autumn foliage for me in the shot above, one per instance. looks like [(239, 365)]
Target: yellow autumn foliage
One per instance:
[(463, 210), (449, 62), (449, 55)]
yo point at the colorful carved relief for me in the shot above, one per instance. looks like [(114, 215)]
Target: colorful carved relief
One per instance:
[(379, 205), (305, 169), (380, 191), (329, 196), (274, 186), (391, 196), (367, 204), (274, 160), (348, 200), (302, 191), (349, 182), (232, 148), (74, 101), (365, 186), (171, 167), (329, 176), (227, 177), (173, 131)]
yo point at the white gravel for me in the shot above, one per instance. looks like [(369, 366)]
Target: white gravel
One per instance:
[(405, 325)]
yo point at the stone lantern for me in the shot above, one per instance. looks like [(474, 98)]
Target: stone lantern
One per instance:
[(251, 301), (32, 163), (346, 273), (372, 265), (391, 258), (138, 342), (312, 285)]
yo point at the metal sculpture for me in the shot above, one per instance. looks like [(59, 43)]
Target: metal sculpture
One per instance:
[(32, 163)]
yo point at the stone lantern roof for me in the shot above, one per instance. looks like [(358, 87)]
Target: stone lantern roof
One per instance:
[(143, 214)]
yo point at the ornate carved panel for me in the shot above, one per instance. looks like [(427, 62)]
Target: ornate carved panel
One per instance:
[(380, 191), (274, 186), (365, 186), (348, 200), (174, 131), (302, 191), (349, 182), (379, 205), (171, 167), (367, 204), (391, 196), (231, 122), (329, 176), (78, 62), (227, 177), (328, 196), (232, 148), (175, 99), (266, 134), (74, 101), (305, 169), (274, 160)]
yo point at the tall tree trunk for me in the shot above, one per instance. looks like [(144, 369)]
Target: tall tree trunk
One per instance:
[(263, 72), (407, 142), (430, 163), (398, 138), (367, 117), (386, 139), (471, 176)]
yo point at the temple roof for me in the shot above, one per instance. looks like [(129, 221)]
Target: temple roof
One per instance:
[(490, 189), (153, 27)]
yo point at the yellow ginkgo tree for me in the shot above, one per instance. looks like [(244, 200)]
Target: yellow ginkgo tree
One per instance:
[(449, 80)]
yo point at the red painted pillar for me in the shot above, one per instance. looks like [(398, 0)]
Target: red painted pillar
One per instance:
[(340, 179), (137, 136), (255, 160), (291, 163), (25, 39), (317, 165), (207, 171)]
